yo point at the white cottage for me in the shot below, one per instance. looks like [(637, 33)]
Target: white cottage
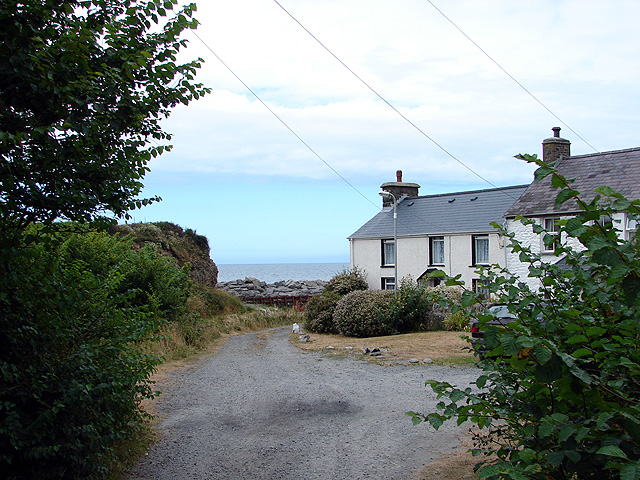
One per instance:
[(450, 232), (618, 169)]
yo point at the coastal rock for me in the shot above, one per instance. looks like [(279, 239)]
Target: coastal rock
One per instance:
[(252, 287)]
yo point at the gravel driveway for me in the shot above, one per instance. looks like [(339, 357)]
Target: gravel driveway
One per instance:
[(262, 409)]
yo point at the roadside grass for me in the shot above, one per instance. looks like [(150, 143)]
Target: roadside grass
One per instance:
[(196, 335)]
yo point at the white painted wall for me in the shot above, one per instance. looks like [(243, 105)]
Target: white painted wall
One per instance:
[(413, 257), (526, 236)]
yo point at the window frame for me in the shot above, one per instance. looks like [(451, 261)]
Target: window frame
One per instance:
[(386, 281), (385, 242), (552, 228), (474, 249), (432, 240)]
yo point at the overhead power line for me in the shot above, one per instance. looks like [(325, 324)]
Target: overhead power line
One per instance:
[(510, 76), (282, 121), (384, 99)]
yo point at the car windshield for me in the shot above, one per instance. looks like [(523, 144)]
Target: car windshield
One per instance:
[(501, 311)]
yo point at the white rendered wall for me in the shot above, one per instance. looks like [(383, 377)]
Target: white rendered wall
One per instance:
[(413, 257)]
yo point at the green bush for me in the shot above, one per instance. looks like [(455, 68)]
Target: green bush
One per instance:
[(457, 322), (347, 282), (318, 313), (410, 308), (319, 310), (559, 395), (74, 313), (364, 313)]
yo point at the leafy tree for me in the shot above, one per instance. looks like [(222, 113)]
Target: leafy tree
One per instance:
[(84, 85), (559, 395)]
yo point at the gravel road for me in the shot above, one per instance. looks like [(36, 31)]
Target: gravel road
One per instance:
[(263, 409)]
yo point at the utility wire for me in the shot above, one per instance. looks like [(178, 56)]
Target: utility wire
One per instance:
[(511, 76), (383, 99), (400, 221), (282, 121)]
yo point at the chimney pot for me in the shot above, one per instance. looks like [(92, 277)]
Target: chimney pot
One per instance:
[(555, 148), (399, 189)]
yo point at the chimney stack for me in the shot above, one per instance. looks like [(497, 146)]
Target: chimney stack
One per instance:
[(398, 189), (555, 148)]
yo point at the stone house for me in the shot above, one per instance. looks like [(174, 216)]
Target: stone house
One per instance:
[(450, 232), (618, 169)]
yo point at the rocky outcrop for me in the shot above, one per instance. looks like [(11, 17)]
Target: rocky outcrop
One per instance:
[(252, 287), (186, 246)]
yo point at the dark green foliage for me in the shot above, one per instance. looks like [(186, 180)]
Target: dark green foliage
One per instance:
[(84, 86), (559, 396), (319, 310), (411, 309), (347, 282), (73, 314), (364, 313)]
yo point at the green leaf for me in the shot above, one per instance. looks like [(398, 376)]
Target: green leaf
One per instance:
[(582, 352), (630, 471), (542, 354), (555, 458), (575, 227), (611, 451), (631, 288), (550, 371), (576, 339), (435, 420), (566, 432), (541, 173), (565, 195)]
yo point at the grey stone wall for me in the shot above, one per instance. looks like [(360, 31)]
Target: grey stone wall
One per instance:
[(252, 287)]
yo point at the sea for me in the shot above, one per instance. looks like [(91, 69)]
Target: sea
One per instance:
[(276, 272)]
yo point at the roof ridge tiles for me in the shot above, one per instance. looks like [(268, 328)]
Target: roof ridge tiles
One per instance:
[(611, 152), (470, 192)]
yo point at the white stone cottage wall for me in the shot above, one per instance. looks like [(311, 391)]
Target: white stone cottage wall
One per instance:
[(527, 237)]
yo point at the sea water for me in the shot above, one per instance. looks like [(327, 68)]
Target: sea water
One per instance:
[(272, 273)]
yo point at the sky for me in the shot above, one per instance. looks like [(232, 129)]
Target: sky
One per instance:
[(292, 188)]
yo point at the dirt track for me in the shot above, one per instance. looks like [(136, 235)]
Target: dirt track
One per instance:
[(263, 409)]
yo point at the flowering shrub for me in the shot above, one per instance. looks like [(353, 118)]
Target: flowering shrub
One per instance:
[(364, 313), (319, 310), (318, 314), (347, 282), (411, 308)]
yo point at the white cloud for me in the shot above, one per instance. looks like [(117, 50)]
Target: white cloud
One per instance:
[(578, 57)]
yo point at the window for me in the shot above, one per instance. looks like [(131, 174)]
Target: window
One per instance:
[(552, 229), (388, 283), (436, 250), (480, 250), (631, 227), (481, 288), (388, 253)]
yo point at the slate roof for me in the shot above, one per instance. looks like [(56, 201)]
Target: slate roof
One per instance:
[(450, 213), (618, 169)]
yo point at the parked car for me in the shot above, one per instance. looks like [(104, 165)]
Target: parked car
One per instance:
[(502, 317)]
